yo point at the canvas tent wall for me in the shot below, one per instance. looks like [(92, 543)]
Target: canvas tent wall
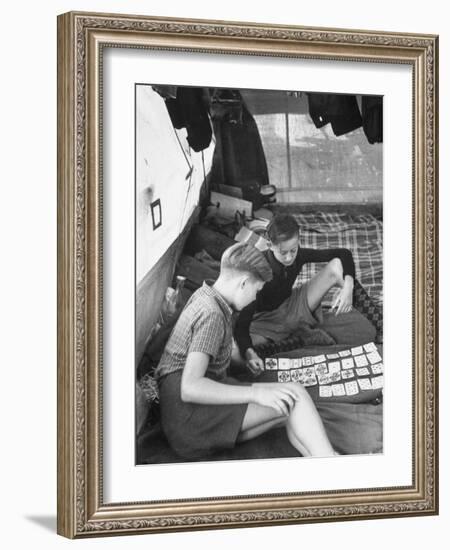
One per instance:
[(169, 176)]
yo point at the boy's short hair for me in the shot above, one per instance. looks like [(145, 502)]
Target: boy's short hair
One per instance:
[(247, 259), (282, 228)]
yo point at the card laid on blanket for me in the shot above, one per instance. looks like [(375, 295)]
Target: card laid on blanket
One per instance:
[(353, 375)]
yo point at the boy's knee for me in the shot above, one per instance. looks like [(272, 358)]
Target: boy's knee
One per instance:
[(303, 394), (335, 268)]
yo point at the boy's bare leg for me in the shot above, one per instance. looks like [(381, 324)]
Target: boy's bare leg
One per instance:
[(258, 420), (304, 427), (262, 428), (306, 431), (257, 415), (255, 431), (331, 275)]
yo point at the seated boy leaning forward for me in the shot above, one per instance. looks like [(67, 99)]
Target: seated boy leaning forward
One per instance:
[(279, 309), (203, 410)]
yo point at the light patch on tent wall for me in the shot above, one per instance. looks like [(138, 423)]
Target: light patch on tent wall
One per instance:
[(155, 209)]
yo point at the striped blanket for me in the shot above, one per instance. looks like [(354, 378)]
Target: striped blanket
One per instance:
[(362, 234)]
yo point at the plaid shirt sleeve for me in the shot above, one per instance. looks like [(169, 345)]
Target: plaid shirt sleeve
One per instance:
[(207, 334)]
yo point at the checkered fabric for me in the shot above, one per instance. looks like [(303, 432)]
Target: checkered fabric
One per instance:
[(365, 305), (360, 233)]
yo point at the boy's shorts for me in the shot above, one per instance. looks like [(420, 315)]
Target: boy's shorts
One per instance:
[(194, 430), (280, 323)]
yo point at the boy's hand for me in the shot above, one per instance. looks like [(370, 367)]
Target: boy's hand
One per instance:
[(278, 396), (253, 362), (344, 299)]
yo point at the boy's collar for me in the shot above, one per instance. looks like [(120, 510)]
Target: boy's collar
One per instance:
[(208, 286)]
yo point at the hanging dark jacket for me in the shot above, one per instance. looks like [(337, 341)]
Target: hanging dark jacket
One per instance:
[(244, 161), (372, 115), (341, 110), (189, 111)]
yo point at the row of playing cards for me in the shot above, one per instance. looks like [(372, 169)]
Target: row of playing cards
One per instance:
[(346, 372), (351, 388), (360, 356), (323, 375)]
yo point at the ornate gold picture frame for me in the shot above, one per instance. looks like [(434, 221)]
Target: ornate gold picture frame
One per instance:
[(82, 41)]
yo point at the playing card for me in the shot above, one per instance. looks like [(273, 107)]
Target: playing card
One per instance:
[(284, 376), (310, 381), (296, 375), (344, 353), (378, 368), (338, 390), (271, 363), (335, 377), (374, 357), (357, 351), (361, 361), (307, 361), (348, 363), (350, 373), (332, 356), (377, 382), (365, 384), (325, 391), (309, 371), (319, 359), (364, 371), (324, 378), (335, 366), (321, 369), (296, 363), (370, 346), (284, 364), (351, 388)]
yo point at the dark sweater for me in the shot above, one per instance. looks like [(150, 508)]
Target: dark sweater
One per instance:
[(276, 291)]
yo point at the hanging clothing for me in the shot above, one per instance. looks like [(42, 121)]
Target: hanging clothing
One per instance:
[(189, 111), (341, 110), (175, 113), (165, 90), (244, 161), (372, 115)]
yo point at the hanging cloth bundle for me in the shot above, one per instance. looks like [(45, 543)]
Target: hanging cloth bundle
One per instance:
[(244, 161), (372, 115), (189, 111), (340, 110)]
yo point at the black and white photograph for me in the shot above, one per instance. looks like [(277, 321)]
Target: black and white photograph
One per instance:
[(258, 272), (247, 283)]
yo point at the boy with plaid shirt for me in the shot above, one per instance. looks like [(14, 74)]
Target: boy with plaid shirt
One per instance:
[(202, 408)]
